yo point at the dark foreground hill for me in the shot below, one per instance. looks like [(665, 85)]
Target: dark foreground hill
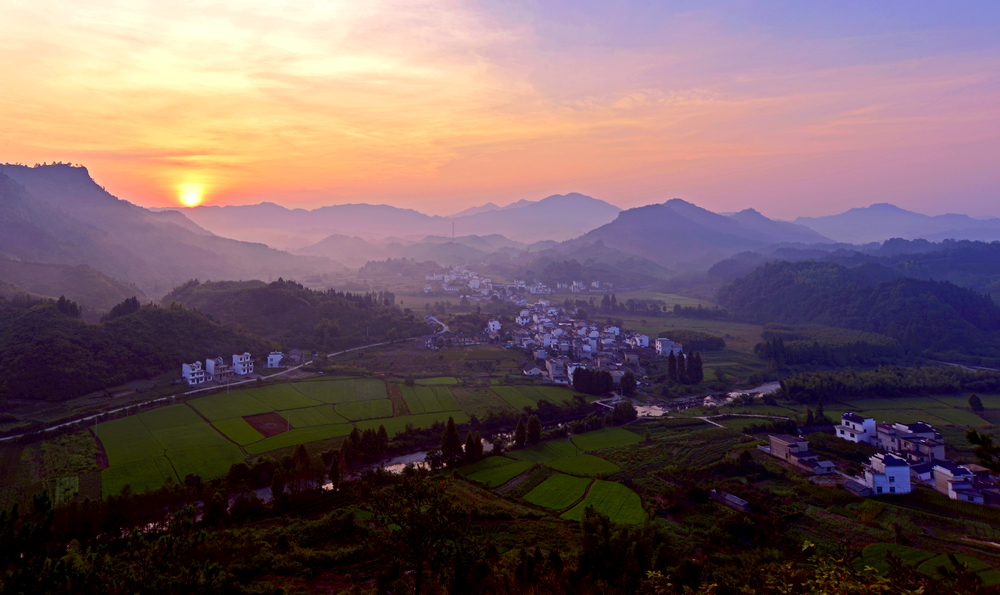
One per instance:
[(92, 289), (46, 354), (926, 317), (294, 316)]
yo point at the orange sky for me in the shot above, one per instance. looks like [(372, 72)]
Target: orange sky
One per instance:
[(439, 106)]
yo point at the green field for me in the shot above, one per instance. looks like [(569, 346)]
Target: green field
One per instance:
[(281, 396), (497, 476), (365, 409), (558, 492), (546, 451), (605, 438), (328, 391), (395, 425), (127, 440), (420, 399), (440, 381), (370, 390), (229, 405), (324, 415), (513, 397), (169, 417), (298, 436), (583, 466), (238, 430), (151, 474), (445, 399), (619, 503), (874, 555), (201, 434), (206, 461)]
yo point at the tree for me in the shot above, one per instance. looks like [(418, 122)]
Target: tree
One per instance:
[(425, 523), (627, 385), (987, 452), (470, 448), (976, 404), (520, 433), (682, 373), (451, 443), (534, 430), (672, 367)]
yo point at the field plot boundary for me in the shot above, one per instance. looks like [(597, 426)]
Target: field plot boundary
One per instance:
[(498, 476), (559, 492)]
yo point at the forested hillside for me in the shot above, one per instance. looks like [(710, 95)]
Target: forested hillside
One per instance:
[(48, 353), (926, 317), (294, 316)]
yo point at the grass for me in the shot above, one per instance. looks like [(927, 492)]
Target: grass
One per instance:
[(584, 466), (324, 415), (396, 425), (498, 476), (479, 400), (930, 566), (605, 438), (69, 454), (207, 461), (546, 451), (238, 430), (619, 503), (282, 396), (439, 381), (127, 440), (227, 406), (370, 390), (554, 394), (362, 410), (298, 436), (558, 492), (198, 435), (147, 474), (874, 555)]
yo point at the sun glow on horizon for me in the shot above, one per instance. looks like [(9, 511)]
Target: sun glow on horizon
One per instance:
[(191, 195)]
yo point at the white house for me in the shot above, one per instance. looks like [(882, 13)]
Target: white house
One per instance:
[(857, 429), (243, 364), (193, 373), (493, 326), (532, 370), (887, 474), (665, 346), (274, 359), (956, 483)]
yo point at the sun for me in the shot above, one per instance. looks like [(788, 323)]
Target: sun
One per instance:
[(191, 195)]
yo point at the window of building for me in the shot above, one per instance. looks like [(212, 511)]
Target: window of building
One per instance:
[(970, 498), (892, 479), (892, 490), (879, 489)]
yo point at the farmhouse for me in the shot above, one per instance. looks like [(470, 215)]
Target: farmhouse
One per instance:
[(665, 347), (243, 364), (796, 451), (193, 373), (957, 483), (274, 359), (887, 474), (855, 428), (217, 370), (727, 499)]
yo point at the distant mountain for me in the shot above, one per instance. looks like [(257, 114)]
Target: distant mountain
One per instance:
[(557, 218), (791, 232), (681, 235), (57, 213), (92, 289), (476, 210), (883, 221)]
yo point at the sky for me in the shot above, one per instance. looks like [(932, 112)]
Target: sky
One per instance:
[(792, 108)]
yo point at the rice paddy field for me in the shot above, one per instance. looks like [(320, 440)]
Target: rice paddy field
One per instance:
[(497, 476), (525, 396), (605, 438), (559, 492), (207, 435), (546, 451), (583, 466), (619, 503)]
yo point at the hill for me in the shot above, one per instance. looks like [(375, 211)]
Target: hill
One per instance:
[(883, 221), (683, 236), (59, 214), (294, 316), (48, 355), (93, 290), (926, 317)]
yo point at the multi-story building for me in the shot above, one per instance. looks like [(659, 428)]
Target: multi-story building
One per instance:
[(796, 451), (243, 364), (193, 373), (857, 429), (887, 474), (957, 483), (274, 359), (217, 370)]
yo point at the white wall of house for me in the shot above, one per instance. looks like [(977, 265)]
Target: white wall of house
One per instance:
[(242, 364), (193, 373), (274, 359), (887, 474)]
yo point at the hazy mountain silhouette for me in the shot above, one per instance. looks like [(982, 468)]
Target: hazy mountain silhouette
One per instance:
[(57, 213), (557, 218), (92, 289), (681, 235), (883, 221), (476, 210)]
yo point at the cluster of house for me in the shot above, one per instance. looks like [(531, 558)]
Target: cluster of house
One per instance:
[(911, 454), (560, 344), (217, 370), (463, 281), (581, 287)]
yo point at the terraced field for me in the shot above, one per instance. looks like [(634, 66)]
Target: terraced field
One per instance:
[(559, 492), (583, 466), (238, 430), (324, 415), (497, 476), (147, 474), (546, 451), (362, 410), (605, 438), (522, 396), (619, 503)]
